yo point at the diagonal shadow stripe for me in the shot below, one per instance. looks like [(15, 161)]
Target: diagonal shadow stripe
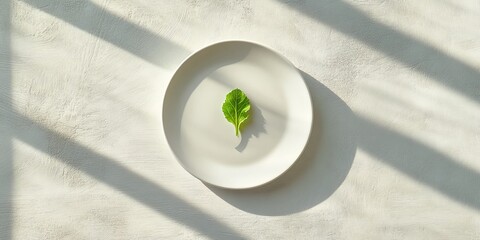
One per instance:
[(6, 158), (420, 162), (115, 30), (131, 184), (414, 53)]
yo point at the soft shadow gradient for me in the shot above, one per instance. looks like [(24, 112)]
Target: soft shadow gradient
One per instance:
[(115, 30), (415, 54), (318, 172), (417, 160), (331, 149), (420, 162), (6, 141), (128, 182)]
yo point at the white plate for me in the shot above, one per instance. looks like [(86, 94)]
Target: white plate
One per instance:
[(205, 143)]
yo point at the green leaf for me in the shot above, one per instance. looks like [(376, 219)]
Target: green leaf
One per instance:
[(235, 108)]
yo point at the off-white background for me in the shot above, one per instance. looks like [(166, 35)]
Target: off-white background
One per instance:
[(394, 152)]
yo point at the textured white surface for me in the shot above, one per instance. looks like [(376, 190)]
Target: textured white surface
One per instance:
[(394, 153)]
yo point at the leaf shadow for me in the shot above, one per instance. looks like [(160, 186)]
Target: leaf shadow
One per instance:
[(254, 126)]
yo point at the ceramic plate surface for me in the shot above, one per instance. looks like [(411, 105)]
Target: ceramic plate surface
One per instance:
[(205, 143)]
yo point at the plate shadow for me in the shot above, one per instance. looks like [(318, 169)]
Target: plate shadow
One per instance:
[(319, 171)]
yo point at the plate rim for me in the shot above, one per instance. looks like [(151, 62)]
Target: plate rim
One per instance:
[(277, 54)]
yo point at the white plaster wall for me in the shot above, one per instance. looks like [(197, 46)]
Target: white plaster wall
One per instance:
[(394, 152)]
